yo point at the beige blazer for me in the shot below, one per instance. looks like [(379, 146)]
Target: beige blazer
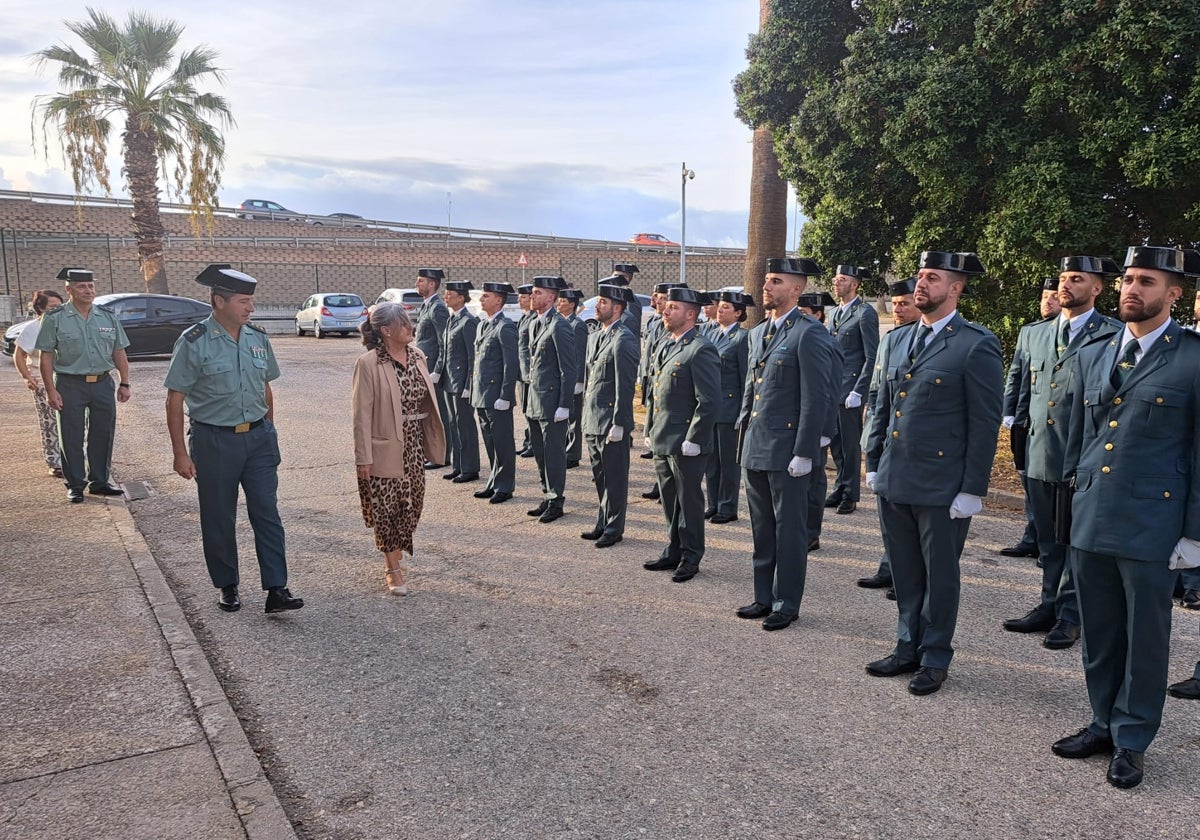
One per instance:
[(378, 430)]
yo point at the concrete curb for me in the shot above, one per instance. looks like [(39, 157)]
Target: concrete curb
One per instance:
[(254, 799)]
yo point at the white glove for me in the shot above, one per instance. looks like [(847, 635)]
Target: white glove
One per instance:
[(799, 466), (646, 442), (965, 506), (436, 377), (871, 476), (689, 449), (502, 405), (561, 414), (466, 394), (1021, 473), (1007, 422), (853, 400), (615, 434), (578, 387), (824, 441), (1185, 555)]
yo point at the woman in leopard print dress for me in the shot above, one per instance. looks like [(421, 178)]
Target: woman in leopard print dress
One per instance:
[(25, 357), (396, 429)]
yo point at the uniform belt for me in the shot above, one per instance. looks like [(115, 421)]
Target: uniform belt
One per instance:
[(240, 428), (86, 377)]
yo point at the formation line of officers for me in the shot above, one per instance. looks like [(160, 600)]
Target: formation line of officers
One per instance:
[(1111, 411)]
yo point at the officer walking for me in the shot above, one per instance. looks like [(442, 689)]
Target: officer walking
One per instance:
[(456, 360), (552, 377), (493, 386), (786, 409), (221, 369), (855, 327), (568, 303), (431, 327), (679, 429), (611, 373), (929, 459), (1136, 514), (81, 344), (723, 480), (1044, 403)]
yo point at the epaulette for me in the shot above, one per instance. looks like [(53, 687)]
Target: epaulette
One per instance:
[(979, 328), (255, 326), (54, 310), (194, 331)]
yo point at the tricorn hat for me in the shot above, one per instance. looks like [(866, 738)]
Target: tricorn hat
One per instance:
[(223, 276), (613, 291), (1105, 266), (902, 287), (524, 289), (682, 294), (739, 299), (431, 273), (627, 268), (1050, 284), (1174, 260), (497, 288), (962, 262), (664, 288), (78, 275), (816, 300), (615, 280), (858, 272), (553, 283), (573, 295), (793, 265), (460, 286)]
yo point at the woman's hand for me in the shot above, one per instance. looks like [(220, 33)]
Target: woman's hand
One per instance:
[(364, 470)]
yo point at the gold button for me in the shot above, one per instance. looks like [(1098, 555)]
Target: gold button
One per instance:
[(758, 396), (908, 376), (1158, 400), (903, 393), (1116, 400), (1058, 367), (1050, 422), (898, 414), (895, 434), (1053, 384), (1105, 470), (1108, 447), (1166, 494), (754, 414), (760, 381), (937, 382), (1051, 403), (1112, 424), (939, 453)]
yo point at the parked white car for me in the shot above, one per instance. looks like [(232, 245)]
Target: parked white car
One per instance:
[(331, 312), (410, 299)]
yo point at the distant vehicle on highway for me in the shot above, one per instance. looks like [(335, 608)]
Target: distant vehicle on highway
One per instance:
[(257, 208), (331, 312), (652, 240), (340, 220)]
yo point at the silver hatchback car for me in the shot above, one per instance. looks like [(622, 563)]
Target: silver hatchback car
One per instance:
[(331, 312)]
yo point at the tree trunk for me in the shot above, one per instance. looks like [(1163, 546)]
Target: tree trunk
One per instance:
[(141, 172), (766, 235)]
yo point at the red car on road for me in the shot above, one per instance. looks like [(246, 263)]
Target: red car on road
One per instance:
[(652, 240)]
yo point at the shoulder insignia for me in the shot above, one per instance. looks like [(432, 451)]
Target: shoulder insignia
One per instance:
[(195, 331), (257, 327)]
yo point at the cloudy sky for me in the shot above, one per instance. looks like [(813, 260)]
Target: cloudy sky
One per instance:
[(535, 116)]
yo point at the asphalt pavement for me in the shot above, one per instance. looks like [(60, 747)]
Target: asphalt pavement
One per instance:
[(532, 685)]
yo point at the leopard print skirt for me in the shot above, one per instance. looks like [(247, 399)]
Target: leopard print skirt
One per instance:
[(48, 423), (392, 506)]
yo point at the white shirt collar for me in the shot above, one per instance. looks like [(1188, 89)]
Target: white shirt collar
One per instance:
[(1146, 341), (784, 317), (937, 326), (1076, 323)]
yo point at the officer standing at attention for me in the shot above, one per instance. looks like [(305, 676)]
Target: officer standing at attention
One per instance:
[(929, 459), (524, 323), (634, 312), (81, 344), (431, 327), (628, 320), (1018, 434), (493, 387), (611, 365), (795, 368), (552, 377), (679, 429), (815, 304), (568, 303), (456, 360), (650, 346), (855, 327), (1044, 408), (221, 369), (904, 311), (723, 479), (1136, 513)]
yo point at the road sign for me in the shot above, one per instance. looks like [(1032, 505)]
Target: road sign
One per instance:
[(522, 261)]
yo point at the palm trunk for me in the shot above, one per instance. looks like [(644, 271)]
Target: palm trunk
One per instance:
[(141, 172)]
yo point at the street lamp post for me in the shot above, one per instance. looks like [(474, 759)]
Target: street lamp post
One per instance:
[(687, 175)]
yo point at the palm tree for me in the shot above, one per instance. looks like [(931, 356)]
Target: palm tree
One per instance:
[(132, 71)]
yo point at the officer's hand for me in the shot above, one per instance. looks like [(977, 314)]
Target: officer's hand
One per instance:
[(853, 400), (436, 377), (646, 442), (1007, 422), (466, 394), (53, 398), (363, 470), (561, 414), (824, 441), (798, 466), (578, 387), (689, 448), (1185, 555), (1021, 473), (123, 394), (184, 467), (965, 506), (502, 405), (871, 476), (615, 434)]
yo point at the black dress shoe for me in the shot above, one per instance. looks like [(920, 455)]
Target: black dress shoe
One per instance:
[(485, 493), (875, 581), (1061, 636), (891, 667), (814, 544), (1191, 599), (723, 518), (755, 610), (651, 494), (708, 514), (279, 599), (890, 594), (229, 600), (450, 476), (608, 539), (847, 506), (1186, 690), (463, 478), (778, 620), (1020, 550), (74, 496), (1083, 744), (662, 564), (105, 490), (593, 534), (539, 510), (926, 681), (1125, 769), (833, 500), (1034, 621), (550, 514), (684, 573), (525, 453), (572, 464), (647, 455), (429, 465), (499, 498)]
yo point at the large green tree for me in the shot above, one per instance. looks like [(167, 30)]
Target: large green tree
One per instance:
[(171, 130), (1024, 131)]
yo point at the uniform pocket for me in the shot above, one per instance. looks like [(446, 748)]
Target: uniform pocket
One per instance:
[(222, 376)]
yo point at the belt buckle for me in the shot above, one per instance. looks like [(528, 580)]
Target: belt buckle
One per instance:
[(240, 428), (91, 378)]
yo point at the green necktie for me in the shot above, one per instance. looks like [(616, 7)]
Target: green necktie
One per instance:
[(1064, 339), (923, 332), (1124, 368)]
